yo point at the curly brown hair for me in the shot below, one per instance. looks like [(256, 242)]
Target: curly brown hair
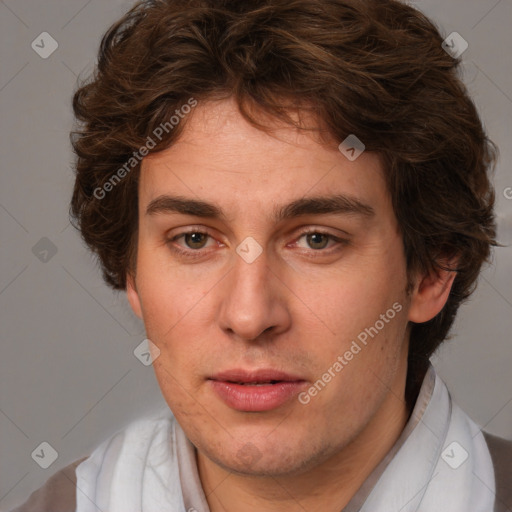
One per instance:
[(375, 68)]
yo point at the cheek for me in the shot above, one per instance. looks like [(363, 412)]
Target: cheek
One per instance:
[(178, 318), (181, 392), (343, 306), (362, 378), (171, 296), (366, 316), (351, 297)]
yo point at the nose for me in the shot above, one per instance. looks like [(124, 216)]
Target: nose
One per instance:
[(253, 300)]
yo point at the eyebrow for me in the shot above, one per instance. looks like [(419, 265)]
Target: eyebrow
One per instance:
[(318, 205)]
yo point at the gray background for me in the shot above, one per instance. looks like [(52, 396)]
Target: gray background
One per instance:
[(68, 373)]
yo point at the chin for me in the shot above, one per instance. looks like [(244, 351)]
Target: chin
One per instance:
[(271, 459)]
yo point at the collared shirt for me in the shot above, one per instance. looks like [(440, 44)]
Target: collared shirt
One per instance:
[(441, 462)]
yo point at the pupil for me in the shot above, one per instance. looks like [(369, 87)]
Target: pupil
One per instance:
[(194, 239), (315, 240)]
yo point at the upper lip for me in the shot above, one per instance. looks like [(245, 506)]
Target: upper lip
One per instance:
[(261, 375)]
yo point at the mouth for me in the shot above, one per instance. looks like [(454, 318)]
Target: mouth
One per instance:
[(255, 391), (256, 383)]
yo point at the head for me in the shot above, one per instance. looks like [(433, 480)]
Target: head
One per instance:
[(224, 118)]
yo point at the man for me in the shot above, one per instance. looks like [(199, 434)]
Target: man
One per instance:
[(295, 196)]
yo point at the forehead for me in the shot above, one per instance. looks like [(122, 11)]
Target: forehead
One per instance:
[(219, 127), (221, 156)]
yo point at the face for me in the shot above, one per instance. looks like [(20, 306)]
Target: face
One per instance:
[(271, 276)]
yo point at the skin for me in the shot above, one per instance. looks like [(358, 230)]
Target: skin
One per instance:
[(295, 308)]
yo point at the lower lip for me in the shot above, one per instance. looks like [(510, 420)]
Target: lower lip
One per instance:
[(256, 398)]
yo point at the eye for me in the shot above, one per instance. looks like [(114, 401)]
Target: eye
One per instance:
[(193, 241), (318, 240)]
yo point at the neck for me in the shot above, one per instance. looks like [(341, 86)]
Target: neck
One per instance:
[(327, 486)]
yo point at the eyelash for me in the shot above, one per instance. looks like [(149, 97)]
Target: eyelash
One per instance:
[(198, 253)]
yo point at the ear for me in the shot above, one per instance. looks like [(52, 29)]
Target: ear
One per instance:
[(133, 295), (431, 291)]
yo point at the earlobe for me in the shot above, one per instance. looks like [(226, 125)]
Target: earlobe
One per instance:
[(431, 293), (133, 295)]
